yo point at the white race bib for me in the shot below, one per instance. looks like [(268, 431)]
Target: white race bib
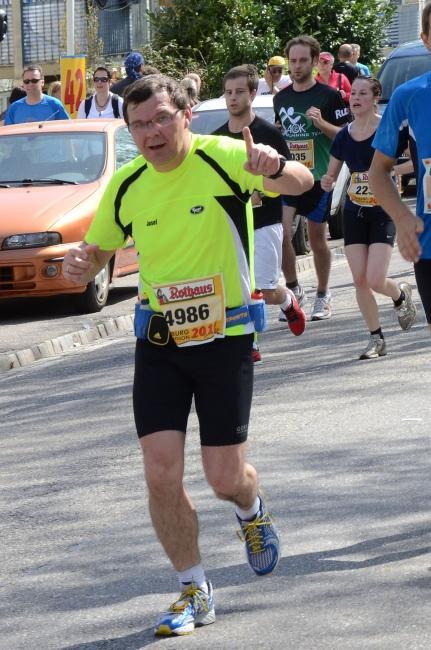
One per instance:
[(193, 309)]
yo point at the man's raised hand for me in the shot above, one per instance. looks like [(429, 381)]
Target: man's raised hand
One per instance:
[(262, 160)]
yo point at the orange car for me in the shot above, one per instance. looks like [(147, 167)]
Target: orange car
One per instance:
[(52, 177)]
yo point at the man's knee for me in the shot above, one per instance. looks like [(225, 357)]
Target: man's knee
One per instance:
[(164, 468), (317, 237), (226, 484)]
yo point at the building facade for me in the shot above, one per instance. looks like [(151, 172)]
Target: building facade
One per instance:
[(406, 23), (37, 31)]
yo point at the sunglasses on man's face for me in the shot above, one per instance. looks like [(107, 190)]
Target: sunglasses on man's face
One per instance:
[(102, 80), (30, 81), (275, 70)]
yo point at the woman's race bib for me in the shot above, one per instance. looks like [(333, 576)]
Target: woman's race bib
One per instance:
[(359, 190)]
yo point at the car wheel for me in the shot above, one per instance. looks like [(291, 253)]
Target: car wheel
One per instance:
[(300, 238), (96, 294), (335, 221)]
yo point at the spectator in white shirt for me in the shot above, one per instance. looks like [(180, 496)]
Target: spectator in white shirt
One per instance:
[(273, 79), (103, 103)]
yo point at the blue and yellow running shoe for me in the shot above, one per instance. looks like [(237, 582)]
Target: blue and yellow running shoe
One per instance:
[(193, 608), (262, 542)]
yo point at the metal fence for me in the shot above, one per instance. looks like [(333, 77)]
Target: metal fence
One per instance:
[(6, 50), (115, 27)]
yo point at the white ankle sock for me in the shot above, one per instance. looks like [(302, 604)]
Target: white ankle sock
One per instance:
[(287, 301), (195, 574), (249, 514)]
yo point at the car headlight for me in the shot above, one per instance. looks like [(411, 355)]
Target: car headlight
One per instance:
[(31, 240)]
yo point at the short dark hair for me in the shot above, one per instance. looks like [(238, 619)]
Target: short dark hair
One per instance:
[(308, 41), (102, 67), (426, 14), (33, 68), (248, 71), (145, 87)]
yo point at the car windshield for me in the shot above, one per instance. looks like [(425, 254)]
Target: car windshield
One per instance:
[(70, 157), (206, 122), (401, 69)]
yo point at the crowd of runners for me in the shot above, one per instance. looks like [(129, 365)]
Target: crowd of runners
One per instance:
[(213, 234)]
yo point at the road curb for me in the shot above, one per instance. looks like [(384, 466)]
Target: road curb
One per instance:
[(102, 330), (66, 343)]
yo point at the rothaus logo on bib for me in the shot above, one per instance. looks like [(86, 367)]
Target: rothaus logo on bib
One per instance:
[(186, 291)]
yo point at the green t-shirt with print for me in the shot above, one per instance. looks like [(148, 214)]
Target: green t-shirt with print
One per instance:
[(307, 144)]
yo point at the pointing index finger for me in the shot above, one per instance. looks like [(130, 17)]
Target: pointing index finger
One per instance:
[(248, 139)]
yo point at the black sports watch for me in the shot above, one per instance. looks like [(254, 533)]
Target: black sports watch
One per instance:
[(279, 172)]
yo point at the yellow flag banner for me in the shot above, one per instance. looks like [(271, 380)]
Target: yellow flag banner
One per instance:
[(73, 86)]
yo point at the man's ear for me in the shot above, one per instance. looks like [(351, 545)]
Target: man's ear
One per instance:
[(253, 94), (188, 115)]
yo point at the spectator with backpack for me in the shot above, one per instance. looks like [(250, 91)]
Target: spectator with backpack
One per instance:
[(103, 103), (327, 75)]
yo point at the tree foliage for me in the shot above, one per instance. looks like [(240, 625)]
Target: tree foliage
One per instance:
[(211, 36)]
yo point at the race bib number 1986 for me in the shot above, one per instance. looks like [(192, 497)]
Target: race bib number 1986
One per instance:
[(193, 309)]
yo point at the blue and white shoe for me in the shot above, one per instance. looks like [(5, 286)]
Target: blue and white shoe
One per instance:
[(193, 608), (262, 542)]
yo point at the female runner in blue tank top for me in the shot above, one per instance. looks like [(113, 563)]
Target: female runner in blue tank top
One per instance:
[(369, 233)]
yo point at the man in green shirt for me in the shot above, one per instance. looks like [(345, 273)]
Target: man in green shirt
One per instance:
[(186, 203), (310, 115)]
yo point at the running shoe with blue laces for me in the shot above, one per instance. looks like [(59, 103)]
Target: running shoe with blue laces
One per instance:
[(193, 608), (262, 542)]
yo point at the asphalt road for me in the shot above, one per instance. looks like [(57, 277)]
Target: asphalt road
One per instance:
[(343, 450)]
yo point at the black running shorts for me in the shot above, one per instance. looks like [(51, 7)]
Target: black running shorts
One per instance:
[(219, 375), (423, 280), (367, 226), (315, 204)]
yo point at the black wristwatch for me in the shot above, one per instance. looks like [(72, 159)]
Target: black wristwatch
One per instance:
[(279, 172)]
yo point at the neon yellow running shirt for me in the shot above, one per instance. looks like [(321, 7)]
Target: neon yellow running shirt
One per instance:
[(195, 221)]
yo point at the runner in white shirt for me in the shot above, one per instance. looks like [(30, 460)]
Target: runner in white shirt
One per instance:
[(103, 103), (273, 79)]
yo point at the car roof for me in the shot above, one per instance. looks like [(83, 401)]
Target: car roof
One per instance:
[(219, 103), (96, 124), (413, 48)]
